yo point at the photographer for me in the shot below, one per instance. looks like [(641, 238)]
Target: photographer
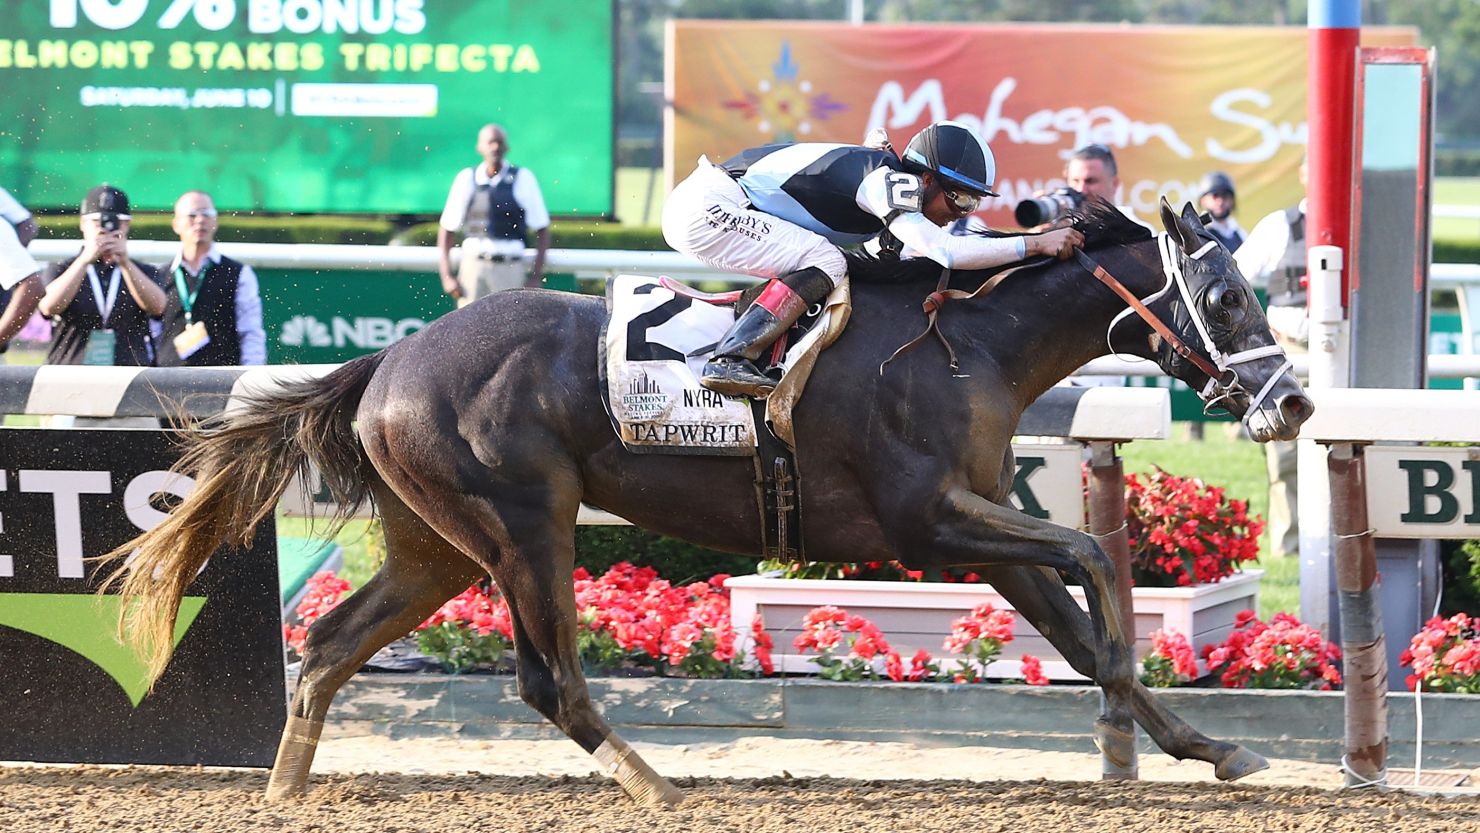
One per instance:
[(1090, 172), (100, 301)]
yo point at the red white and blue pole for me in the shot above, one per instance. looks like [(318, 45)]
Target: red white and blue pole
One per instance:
[(1335, 30), (1330, 94), (1335, 34)]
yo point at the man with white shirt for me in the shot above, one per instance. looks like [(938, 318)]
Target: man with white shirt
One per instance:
[(19, 218), (20, 274), (213, 309), (493, 206)]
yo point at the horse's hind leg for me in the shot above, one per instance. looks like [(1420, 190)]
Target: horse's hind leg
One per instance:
[(1040, 596), (523, 532), (421, 571), (538, 586)]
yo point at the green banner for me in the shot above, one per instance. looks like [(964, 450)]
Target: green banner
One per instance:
[(344, 106), (333, 315)]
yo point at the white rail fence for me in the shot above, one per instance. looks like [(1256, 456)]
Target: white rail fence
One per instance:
[(1463, 279)]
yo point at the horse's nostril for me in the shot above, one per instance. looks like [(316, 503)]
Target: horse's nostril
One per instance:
[(1295, 410)]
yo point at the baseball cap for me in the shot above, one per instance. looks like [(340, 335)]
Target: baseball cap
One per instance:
[(105, 199)]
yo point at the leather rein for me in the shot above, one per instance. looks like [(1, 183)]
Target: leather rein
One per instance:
[(1223, 379)]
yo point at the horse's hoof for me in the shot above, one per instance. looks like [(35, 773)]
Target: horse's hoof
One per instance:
[(1118, 746), (282, 791), (1238, 763), (666, 796)]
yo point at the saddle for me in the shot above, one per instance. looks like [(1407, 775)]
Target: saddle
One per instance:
[(658, 336)]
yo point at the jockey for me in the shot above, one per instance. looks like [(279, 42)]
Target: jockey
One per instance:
[(781, 211)]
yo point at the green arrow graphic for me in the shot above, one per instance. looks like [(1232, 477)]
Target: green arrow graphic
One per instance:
[(86, 624)]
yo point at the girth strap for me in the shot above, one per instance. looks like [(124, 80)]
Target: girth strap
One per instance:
[(778, 492)]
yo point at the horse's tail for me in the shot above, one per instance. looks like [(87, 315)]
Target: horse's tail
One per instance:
[(242, 462)]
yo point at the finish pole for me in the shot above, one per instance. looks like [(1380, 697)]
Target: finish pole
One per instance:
[(1108, 525), (1334, 35), (1363, 648)]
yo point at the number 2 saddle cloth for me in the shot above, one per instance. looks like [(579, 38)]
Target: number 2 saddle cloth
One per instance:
[(657, 338)]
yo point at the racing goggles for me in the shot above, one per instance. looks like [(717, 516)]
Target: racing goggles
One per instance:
[(964, 201)]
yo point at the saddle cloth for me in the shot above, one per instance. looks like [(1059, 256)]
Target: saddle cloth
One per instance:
[(651, 382)]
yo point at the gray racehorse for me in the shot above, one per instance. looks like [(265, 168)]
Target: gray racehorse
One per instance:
[(479, 437)]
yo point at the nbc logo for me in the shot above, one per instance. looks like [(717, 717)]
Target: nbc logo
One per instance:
[(305, 329)]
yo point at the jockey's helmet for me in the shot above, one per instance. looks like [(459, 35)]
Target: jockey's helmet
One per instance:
[(956, 154), (1215, 182)]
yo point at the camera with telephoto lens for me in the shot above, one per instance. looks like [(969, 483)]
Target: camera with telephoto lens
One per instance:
[(109, 222), (1035, 211)]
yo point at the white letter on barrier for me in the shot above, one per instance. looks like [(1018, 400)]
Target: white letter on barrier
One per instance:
[(66, 489)]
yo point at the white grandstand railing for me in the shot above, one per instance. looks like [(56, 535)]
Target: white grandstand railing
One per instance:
[(405, 258), (596, 262), (424, 259), (1441, 366), (1463, 212)]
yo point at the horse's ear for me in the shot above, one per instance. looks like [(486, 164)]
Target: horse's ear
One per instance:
[(1171, 223), (1192, 218)]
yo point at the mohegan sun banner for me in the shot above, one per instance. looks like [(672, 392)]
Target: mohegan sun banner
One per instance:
[(303, 105), (1172, 103)]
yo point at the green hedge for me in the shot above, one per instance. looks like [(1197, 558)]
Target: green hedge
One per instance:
[(567, 234), (247, 228), (599, 547), (1457, 251), (1460, 561), (1457, 162)]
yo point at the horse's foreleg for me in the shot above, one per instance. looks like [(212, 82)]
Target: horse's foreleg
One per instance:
[(967, 529), (539, 589), (421, 571), (1040, 596)]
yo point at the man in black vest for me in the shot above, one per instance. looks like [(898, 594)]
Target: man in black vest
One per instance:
[(1216, 196), (492, 206), (213, 312)]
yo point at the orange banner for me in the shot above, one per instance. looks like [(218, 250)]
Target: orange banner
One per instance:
[(1173, 103)]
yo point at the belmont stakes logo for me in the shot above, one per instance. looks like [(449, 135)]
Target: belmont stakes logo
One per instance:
[(644, 399)]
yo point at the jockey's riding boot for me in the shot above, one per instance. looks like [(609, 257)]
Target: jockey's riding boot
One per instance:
[(733, 371)]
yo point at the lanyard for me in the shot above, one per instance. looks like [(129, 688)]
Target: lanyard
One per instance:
[(187, 300), (105, 304)]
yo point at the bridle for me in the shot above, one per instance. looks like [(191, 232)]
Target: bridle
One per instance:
[(1223, 380), (1223, 384)]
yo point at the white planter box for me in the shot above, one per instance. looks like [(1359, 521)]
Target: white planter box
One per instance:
[(915, 615)]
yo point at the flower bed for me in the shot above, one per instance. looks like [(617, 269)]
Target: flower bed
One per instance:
[(919, 615), (1305, 725), (1445, 656)]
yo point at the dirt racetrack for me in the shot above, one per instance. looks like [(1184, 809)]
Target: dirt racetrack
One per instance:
[(140, 800)]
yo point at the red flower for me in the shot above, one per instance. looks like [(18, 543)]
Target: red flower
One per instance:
[(1033, 671), (894, 667), (1183, 531), (1445, 655), (1283, 653)]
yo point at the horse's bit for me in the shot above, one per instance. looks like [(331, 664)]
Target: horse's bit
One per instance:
[(1223, 379)]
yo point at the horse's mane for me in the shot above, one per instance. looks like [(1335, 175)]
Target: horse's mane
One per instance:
[(1102, 224)]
